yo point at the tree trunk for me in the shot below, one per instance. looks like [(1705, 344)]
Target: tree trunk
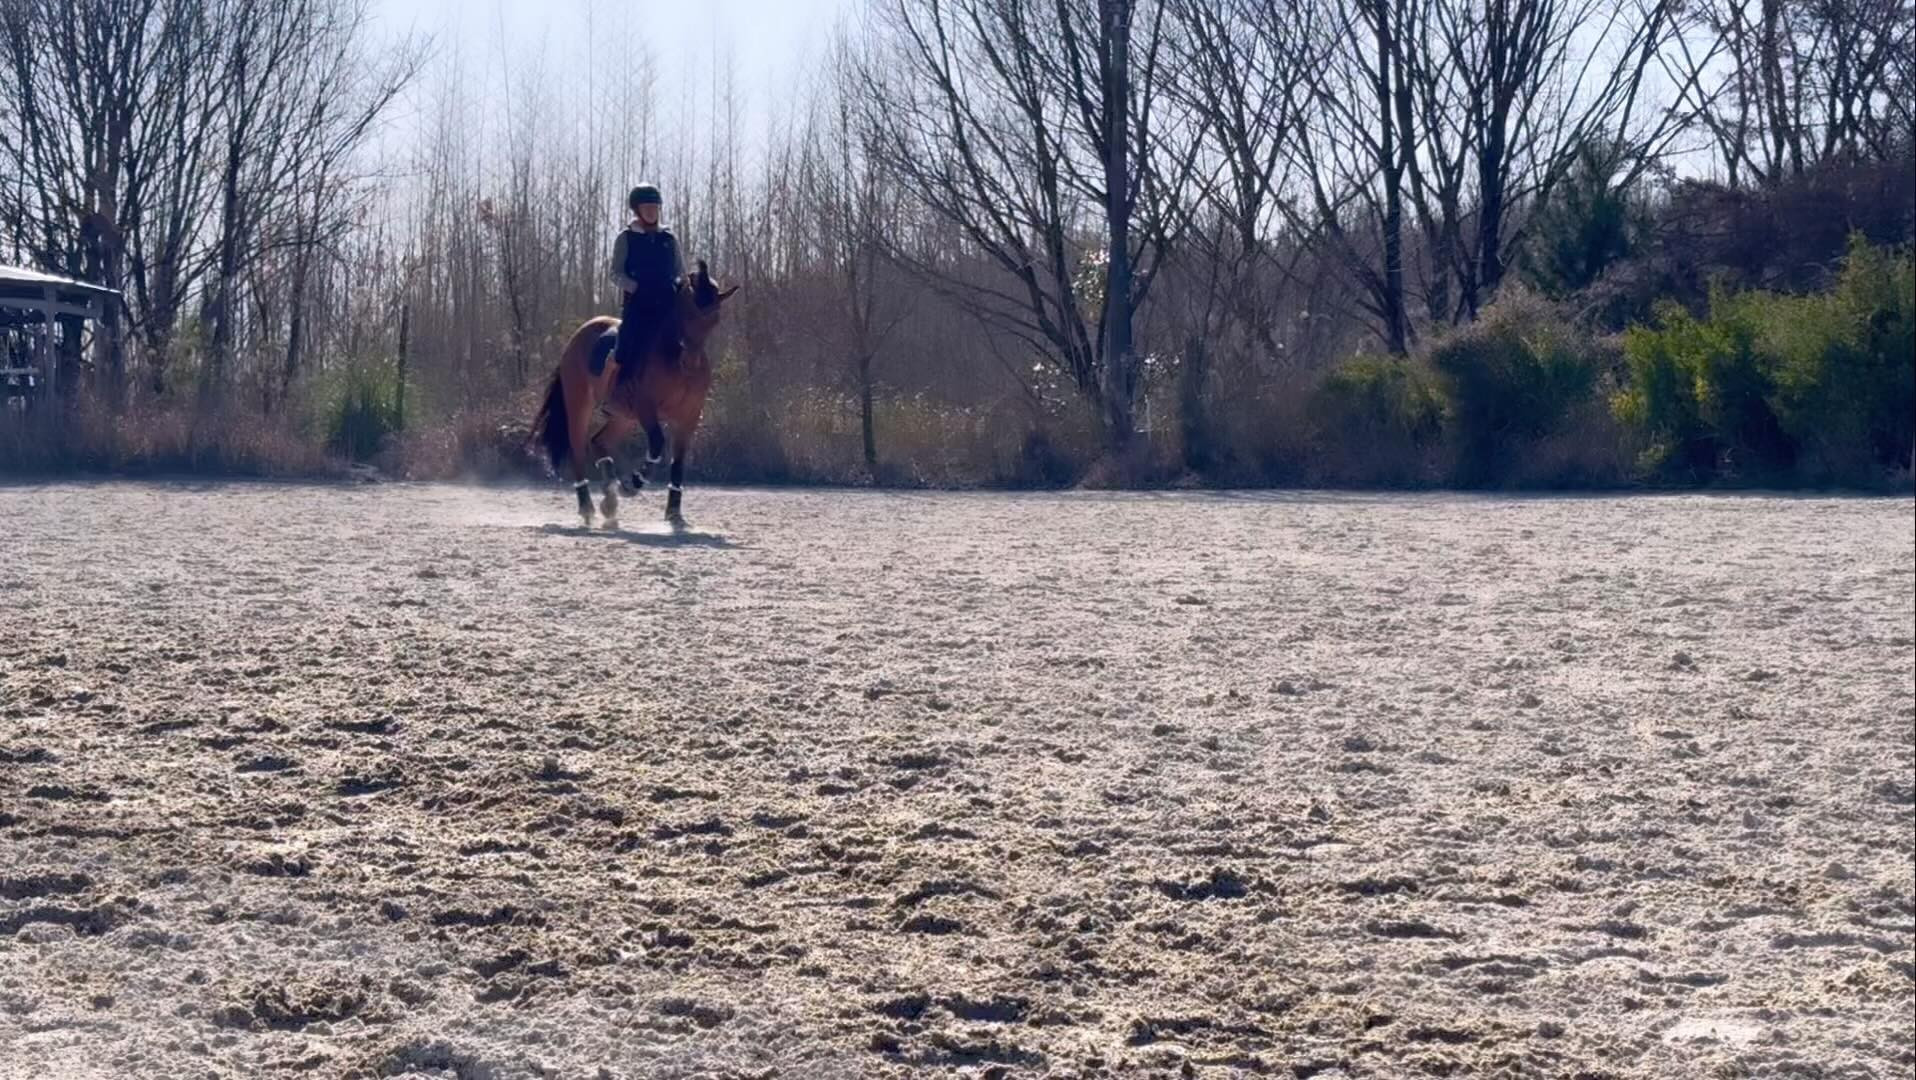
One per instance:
[(219, 306), (405, 346), (296, 325), (1192, 421), (111, 349), (302, 274), (162, 319), (1396, 320), (1120, 366), (865, 413)]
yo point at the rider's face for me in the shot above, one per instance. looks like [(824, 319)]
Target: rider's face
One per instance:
[(649, 214)]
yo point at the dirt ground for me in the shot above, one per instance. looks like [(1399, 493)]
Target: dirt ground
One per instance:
[(427, 781)]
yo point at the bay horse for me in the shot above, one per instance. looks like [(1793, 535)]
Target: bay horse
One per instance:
[(589, 410)]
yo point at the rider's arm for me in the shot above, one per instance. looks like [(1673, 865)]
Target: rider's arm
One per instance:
[(678, 264), (619, 277)]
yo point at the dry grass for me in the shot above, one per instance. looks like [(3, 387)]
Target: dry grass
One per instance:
[(473, 446), (86, 436)]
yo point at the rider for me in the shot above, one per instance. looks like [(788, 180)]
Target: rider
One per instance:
[(646, 266)]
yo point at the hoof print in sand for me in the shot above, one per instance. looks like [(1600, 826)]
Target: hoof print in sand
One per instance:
[(38, 886), (273, 1005), (503, 915), (1222, 884), (87, 922), (360, 784), (1411, 929), (700, 1013)]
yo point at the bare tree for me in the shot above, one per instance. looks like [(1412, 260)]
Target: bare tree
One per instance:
[(1783, 87), (1455, 118), (1236, 64), (1359, 145), (1043, 133), (1515, 89), (859, 207), (292, 106), (108, 110), (347, 87)]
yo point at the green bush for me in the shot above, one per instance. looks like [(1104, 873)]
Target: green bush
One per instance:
[(364, 414), (1377, 420), (1509, 379), (1818, 388), (1661, 400), (1845, 369)]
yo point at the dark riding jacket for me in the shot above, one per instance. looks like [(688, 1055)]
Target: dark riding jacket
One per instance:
[(646, 263)]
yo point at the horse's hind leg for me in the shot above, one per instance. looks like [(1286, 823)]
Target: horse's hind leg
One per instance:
[(579, 419)]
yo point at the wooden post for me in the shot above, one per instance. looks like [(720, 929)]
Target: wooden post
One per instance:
[(49, 367)]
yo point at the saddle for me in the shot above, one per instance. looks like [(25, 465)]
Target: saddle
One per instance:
[(608, 343), (601, 350)]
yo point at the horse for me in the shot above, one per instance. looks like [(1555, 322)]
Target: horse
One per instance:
[(664, 393)]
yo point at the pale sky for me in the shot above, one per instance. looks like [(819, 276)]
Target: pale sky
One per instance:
[(764, 33), (772, 43)]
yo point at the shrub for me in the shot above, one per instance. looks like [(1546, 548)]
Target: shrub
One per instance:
[(1845, 368), (1700, 392), (362, 416), (1509, 379), (1661, 399), (1818, 388), (1266, 433), (472, 446), (1377, 420), (84, 434)]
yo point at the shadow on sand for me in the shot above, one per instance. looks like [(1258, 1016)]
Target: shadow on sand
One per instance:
[(678, 536)]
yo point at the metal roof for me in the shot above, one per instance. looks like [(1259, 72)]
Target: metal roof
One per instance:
[(20, 275)]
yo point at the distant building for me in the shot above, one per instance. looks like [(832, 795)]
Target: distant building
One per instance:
[(41, 317)]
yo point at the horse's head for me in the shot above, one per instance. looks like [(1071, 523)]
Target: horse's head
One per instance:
[(700, 304)]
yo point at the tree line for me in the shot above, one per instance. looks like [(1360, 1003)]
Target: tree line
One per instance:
[(974, 221)]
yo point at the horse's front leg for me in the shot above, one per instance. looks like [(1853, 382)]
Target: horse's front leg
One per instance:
[(582, 487), (654, 449), (675, 493), (605, 444)]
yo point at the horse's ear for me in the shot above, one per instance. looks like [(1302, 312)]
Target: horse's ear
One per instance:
[(727, 294)]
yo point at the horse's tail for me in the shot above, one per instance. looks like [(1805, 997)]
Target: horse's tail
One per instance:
[(551, 426)]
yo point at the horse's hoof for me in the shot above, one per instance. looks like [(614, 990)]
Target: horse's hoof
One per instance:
[(610, 524), (627, 489)]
